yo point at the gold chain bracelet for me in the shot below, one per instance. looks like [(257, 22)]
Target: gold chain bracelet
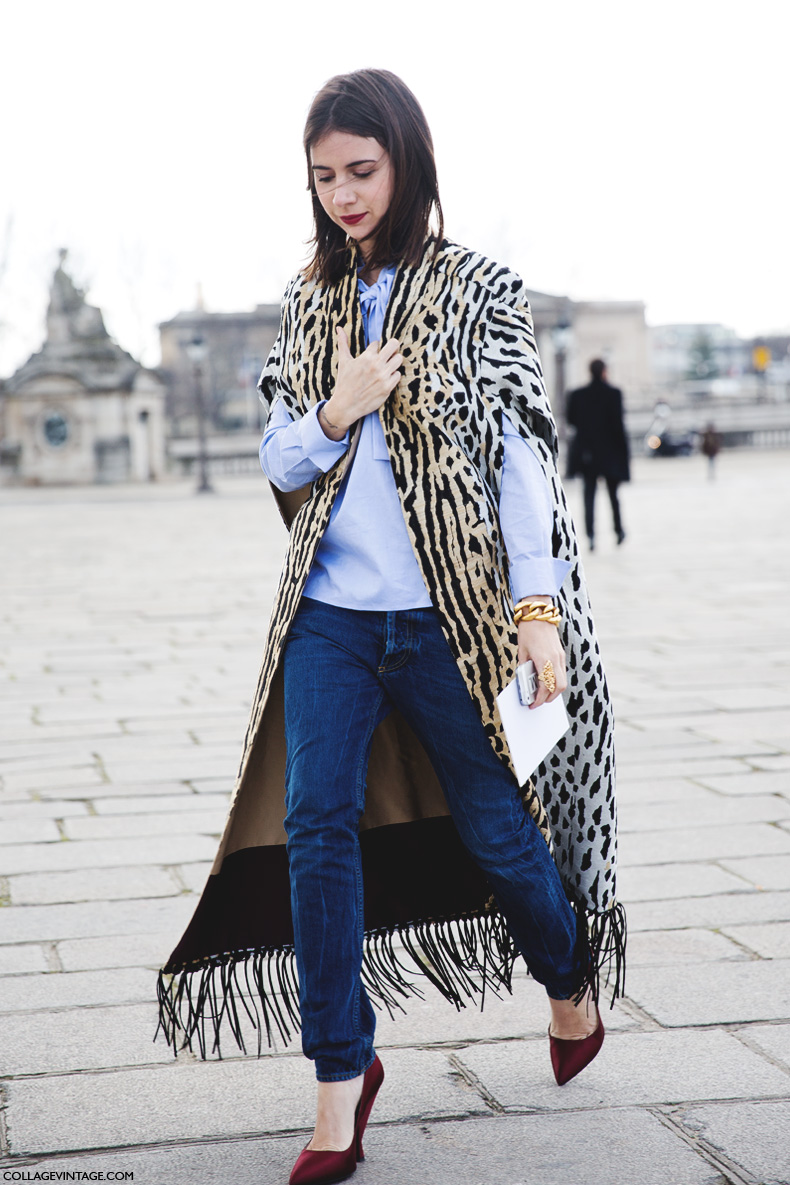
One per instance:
[(537, 611)]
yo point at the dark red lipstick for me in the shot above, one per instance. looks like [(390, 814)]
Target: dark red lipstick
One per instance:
[(352, 219)]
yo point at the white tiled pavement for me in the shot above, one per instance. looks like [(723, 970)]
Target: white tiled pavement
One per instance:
[(131, 625)]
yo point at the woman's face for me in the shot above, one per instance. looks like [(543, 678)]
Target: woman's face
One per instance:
[(353, 180)]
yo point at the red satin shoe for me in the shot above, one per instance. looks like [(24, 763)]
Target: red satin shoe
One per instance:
[(326, 1168), (568, 1058)]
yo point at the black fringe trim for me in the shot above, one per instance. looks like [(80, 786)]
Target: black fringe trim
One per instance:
[(462, 958), (601, 941)]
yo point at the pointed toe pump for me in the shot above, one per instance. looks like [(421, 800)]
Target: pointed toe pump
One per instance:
[(568, 1058), (326, 1168)]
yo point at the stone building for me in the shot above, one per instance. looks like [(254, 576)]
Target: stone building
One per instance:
[(614, 330), (236, 346), (81, 410), (570, 333)]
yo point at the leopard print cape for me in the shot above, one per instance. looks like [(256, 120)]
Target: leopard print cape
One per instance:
[(470, 357)]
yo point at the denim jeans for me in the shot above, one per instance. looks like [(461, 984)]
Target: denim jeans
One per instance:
[(345, 670)]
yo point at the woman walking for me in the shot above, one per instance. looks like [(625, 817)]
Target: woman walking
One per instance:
[(411, 447)]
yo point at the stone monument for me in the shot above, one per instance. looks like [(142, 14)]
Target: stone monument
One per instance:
[(81, 410)]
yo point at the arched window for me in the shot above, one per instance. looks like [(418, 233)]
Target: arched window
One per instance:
[(56, 429)]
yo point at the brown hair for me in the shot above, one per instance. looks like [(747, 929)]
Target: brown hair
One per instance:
[(376, 104)]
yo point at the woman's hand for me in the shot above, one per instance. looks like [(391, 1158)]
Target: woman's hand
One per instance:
[(361, 386), (541, 642)]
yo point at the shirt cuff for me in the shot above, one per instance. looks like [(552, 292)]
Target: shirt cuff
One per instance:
[(316, 445), (540, 576)]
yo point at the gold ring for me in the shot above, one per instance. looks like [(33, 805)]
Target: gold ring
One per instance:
[(548, 678)]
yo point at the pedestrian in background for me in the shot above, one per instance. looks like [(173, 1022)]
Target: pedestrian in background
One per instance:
[(711, 447), (600, 446)]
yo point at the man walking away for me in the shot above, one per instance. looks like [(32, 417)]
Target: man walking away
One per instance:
[(600, 446)]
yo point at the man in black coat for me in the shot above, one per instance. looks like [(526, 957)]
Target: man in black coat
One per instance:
[(600, 446)]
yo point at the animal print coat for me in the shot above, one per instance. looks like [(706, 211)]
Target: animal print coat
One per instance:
[(470, 357)]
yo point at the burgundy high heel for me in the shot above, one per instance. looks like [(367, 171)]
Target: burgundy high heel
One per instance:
[(568, 1058), (374, 1076), (326, 1168)]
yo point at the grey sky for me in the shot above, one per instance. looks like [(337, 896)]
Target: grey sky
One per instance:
[(616, 150)]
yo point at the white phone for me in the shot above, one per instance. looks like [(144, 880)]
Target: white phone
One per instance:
[(527, 682)]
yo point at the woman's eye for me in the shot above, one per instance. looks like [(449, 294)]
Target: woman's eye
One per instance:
[(362, 176), (323, 180)]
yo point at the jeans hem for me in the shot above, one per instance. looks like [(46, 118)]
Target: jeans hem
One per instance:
[(346, 1075)]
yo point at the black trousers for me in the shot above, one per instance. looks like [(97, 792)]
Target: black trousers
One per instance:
[(590, 487)]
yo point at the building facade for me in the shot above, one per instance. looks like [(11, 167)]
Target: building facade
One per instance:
[(569, 334), (236, 346)]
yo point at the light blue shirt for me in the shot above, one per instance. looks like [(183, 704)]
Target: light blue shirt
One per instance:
[(365, 559)]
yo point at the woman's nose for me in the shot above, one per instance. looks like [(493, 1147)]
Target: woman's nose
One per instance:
[(344, 195)]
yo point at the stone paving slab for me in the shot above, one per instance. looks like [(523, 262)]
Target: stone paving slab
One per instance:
[(194, 876), (144, 804), (209, 821), (732, 909), (736, 992), (667, 881), (765, 872), (195, 1100), (711, 843), (105, 853), (194, 764), (171, 745), (211, 785), (98, 794), (773, 764), (54, 923), (92, 884), (624, 1147), (15, 728), (80, 1039), (771, 940), (78, 777), (150, 949), (171, 723), (772, 1039), (755, 1136), (647, 771), (664, 790), (715, 813), (639, 1068), (755, 782), (28, 831), (697, 751), (674, 948), (16, 960), (50, 809), (24, 993), (37, 756)]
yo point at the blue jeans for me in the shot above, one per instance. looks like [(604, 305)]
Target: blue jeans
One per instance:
[(345, 670)]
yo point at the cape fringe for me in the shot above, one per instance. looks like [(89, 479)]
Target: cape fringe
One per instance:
[(462, 958), (602, 940)]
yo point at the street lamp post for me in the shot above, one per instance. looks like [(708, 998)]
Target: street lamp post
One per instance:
[(197, 352), (561, 336)]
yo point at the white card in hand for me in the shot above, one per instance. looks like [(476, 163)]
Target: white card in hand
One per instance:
[(531, 732)]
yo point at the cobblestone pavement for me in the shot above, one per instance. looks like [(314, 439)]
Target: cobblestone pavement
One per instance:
[(132, 622)]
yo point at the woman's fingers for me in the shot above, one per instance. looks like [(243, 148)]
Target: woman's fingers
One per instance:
[(544, 695), (389, 348), (364, 382), (540, 642)]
